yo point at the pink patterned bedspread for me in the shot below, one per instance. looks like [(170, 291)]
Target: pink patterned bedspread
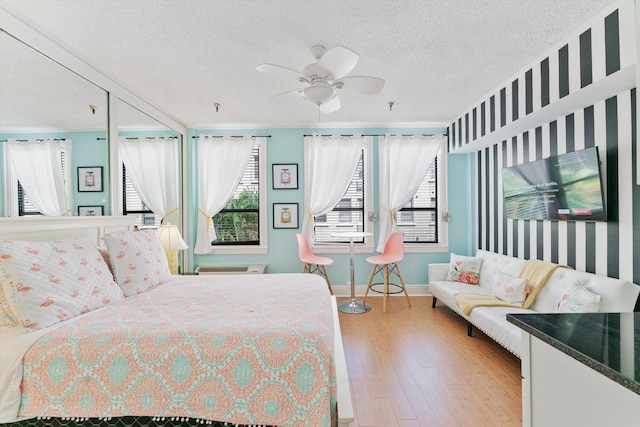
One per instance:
[(242, 349)]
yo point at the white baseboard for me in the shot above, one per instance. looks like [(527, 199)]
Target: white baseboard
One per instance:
[(345, 291)]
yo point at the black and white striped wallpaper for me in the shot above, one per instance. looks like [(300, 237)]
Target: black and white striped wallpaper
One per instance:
[(600, 50)]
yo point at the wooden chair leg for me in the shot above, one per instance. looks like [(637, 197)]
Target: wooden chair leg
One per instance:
[(326, 277), (404, 288), (385, 292), (366, 292)]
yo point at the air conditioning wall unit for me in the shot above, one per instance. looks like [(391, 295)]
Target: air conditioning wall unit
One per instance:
[(232, 269)]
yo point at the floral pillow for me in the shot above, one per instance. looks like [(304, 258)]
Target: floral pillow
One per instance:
[(510, 289), (464, 269), (138, 260), (48, 282), (577, 299)]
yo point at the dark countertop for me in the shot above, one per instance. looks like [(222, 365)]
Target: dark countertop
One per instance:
[(606, 342)]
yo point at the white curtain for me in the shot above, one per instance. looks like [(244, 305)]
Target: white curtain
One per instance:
[(329, 165), (403, 164), (153, 167), (221, 164), (37, 164)]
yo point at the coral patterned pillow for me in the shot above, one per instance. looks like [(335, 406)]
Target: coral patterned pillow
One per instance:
[(577, 299), (510, 289), (138, 259), (54, 281), (464, 269)]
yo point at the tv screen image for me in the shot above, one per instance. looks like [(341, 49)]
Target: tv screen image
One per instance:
[(563, 187)]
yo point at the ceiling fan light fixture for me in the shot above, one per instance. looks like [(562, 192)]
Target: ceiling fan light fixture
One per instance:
[(319, 94), (326, 77)]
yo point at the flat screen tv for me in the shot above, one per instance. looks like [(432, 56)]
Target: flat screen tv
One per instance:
[(563, 187)]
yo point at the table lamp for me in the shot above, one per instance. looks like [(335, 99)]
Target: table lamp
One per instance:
[(172, 242)]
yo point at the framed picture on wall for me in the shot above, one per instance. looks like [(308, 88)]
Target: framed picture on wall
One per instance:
[(285, 176), (90, 210), (89, 178), (285, 215)]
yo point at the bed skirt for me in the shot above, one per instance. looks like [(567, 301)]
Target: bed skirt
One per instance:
[(121, 422)]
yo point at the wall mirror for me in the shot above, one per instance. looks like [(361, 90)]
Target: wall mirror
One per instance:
[(155, 151), (39, 99)]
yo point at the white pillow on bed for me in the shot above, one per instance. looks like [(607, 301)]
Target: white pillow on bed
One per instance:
[(54, 281), (138, 260)]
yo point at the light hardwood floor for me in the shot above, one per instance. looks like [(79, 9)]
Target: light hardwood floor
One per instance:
[(416, 366)]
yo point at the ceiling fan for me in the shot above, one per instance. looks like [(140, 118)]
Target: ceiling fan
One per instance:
[(325, 78)]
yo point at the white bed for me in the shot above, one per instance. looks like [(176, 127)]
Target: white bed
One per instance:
[(38, 229)]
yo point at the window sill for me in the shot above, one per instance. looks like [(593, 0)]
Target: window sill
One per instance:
[(358, 248), (426, 248)]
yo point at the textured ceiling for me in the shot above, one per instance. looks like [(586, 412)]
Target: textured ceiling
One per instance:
[(437, 56)]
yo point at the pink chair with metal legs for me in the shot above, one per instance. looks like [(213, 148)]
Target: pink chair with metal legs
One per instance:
[(312, 263), (386, 263)]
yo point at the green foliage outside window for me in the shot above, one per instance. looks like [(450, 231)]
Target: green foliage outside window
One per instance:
[(238, 222)]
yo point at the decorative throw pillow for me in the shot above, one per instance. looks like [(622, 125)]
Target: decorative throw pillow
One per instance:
[(464, 269), (510, 289), (54, 281), (139, 260), (577, 299)]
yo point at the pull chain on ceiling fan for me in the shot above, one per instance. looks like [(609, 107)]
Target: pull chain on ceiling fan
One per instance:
[(325, 78)]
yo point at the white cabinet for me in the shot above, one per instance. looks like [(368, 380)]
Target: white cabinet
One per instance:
[(558, 390)]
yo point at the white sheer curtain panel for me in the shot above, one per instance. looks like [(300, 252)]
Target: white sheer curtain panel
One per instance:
[(221, 164), (329, 165), (37, 164), (153, 167), (402, 164)]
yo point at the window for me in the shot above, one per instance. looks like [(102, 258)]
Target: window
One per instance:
[(241, 226), (25, 207), (238, 223), (132, 204), (418, 220), (21, 202), (349, 213)]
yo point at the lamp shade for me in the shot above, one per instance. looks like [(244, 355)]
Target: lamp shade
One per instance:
[(319, 94), (170, 238)]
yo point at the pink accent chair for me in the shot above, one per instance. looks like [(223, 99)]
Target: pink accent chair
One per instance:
[(312, 263), (386, 263)]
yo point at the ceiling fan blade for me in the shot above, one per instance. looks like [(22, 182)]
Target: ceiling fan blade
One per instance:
[(281, 72), (331, 106), (338, 61), (295, 93), (359, 85)]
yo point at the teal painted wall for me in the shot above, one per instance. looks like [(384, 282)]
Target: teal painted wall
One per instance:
[(286, 146)]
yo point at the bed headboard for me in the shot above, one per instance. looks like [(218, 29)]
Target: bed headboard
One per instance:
[(41, 228)]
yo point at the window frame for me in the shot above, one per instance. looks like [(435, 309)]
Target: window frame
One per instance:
[(12, 197), (142, 212), (368, 245), (245, 210), (263, 230), (441, 202)]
